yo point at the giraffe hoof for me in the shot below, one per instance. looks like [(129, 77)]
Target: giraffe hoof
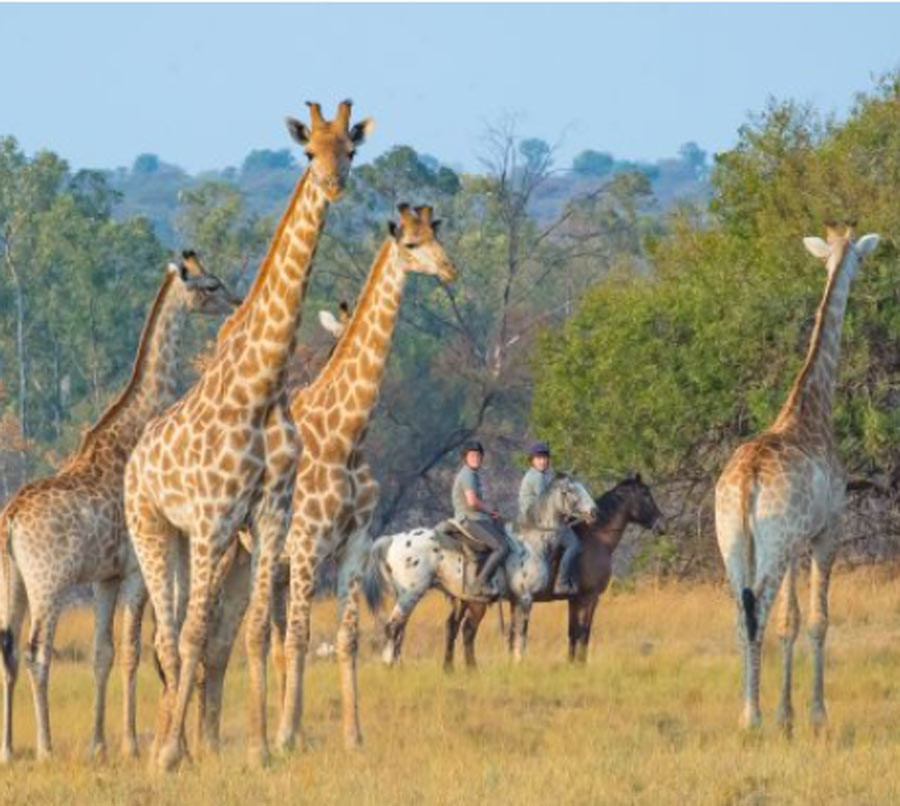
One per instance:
[(353, 741), (818, 718), (169, 756), (259, 756), (6, 755), (129, 750), (98, 751)]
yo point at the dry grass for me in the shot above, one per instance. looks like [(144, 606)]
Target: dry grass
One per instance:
[(652, 718)]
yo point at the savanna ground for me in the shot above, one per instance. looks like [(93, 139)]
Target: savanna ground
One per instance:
[(651, 718)]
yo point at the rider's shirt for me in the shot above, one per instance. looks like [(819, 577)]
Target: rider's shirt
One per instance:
[(467, 479), (534, 482)]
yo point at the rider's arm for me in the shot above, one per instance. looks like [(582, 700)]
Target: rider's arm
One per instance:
[(477, 504)]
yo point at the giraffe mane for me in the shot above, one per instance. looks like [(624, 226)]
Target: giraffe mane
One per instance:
[(815, 340), (338, 356), (239, 317), (137, 370)]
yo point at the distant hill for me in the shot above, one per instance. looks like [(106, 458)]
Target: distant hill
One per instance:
[(151, 186)]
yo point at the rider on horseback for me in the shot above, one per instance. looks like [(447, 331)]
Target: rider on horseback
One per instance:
[(534, 482), (480, 521)]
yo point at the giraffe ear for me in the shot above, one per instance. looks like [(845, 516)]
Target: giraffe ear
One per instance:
[(298, 130), (362, 131), (394, 230), (435, 226), (330, 323), (817, 247), (867, 244)]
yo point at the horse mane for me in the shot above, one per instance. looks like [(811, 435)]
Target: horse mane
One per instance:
[(608, 503), (137, 370)]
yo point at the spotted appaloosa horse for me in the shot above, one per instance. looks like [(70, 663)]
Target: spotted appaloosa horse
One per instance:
[(630, 501), (414, 562)]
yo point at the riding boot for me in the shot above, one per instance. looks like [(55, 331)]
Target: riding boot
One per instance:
[(482, 585), (567, 577)]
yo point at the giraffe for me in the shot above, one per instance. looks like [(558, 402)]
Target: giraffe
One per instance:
[(784, 490), (224, 457), (69, 529), (335, 491)]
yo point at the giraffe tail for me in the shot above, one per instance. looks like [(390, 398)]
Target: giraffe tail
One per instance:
[(7, 642), (374, 573), (748, 597)]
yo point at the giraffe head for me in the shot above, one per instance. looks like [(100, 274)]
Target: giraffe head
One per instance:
[(330, 145), (838, 249), (417, 246), (336, 325), (201, 291)]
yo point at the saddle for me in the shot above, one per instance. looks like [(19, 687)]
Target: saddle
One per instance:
[(453, 536)]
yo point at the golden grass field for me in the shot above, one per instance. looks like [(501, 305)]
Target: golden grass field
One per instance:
[(651, 719)]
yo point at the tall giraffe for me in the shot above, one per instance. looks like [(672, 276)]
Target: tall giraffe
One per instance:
[(69, 529), (335, 492), (225, 455), (784, 490)]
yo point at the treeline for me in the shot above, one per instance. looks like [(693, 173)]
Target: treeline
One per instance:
[(84, 252), (668, 367)]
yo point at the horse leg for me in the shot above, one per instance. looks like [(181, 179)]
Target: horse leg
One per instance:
[(588, 607), (454, 619), (574, 629), (396, 625), (474, 615)]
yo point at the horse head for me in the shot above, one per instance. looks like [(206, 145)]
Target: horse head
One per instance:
[(641, 506), (573, 500)]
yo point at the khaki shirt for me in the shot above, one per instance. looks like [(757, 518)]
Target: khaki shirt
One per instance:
[(534, 482), (467, 479)]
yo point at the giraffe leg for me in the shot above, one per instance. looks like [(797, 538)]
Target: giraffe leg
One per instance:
[(17, 604), (191, 643), (153, 542), (134, 599), (474, 614), (223, 633), (824, 549), (105, 594), (280, 593), (302, 583), (788, 622), (349, 580), (454, 620), (44, 617)]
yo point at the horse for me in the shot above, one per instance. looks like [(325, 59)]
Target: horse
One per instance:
[(414, 562), (630, 501)]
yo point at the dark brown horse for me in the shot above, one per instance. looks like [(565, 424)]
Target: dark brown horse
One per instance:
[(630, 501)]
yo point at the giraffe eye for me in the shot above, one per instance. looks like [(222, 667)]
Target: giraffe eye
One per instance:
[(309, 154), (352, 153), (411, 245)]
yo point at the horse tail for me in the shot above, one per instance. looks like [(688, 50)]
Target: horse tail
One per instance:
[(375, 573), (7, 639), (748, 597)]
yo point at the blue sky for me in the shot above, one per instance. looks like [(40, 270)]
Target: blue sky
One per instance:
[(201, 85)]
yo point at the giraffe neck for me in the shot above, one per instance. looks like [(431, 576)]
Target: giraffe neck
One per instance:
[(808, 407), (153, 378), (258, 339), (364, 345)]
